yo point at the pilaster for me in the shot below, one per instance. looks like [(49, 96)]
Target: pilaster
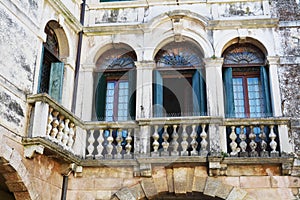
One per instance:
[(274, 85), (85, 93), (214, 86), (144, 88)]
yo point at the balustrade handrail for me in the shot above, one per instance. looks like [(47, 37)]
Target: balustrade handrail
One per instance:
[(109, 125), (189, 120), (256, 121), (44, 97)]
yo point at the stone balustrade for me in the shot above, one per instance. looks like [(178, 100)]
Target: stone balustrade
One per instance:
[(179, 139), (156, 137), (53, 122), (256, 137), (110, 140), (60, 129)]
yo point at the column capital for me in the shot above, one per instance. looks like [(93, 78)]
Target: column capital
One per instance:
[(87, 67), (145, 64), (213, 62), (273, 60)]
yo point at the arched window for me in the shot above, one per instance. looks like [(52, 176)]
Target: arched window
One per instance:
[(115, 91), (179, 88), (51, 73), (246, 82)]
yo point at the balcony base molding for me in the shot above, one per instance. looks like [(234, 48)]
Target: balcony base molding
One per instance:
[(31, 150), (48, 148)]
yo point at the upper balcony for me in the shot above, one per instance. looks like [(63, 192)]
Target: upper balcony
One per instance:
[(222, 142), (141, 11)]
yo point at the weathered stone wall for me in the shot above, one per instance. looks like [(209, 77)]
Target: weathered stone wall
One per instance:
[(285, 10), (18, 47), (289, 78)]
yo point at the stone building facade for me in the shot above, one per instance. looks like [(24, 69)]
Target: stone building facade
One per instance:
[(183, 99)]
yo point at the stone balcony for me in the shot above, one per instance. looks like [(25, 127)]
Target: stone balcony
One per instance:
[(221, 144), (140, 11)]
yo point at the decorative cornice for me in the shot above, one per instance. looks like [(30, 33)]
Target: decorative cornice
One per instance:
[(243, 23), (70, 19)]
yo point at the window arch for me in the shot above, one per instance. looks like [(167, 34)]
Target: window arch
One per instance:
[(246, 83), (179, 87), (52, 69), (116, 85)]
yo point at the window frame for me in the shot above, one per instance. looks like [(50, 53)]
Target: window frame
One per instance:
[(245, 76)]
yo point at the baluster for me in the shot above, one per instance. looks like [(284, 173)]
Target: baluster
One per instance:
[(119, 146), (253, 144), (61, 126), (109, 146), (165, 143), (71, 136), (100, 146), (128, 145), (66, 133), (273, 143), (184, 143), (49, 126), (155, 143), (243, 143), (55, 123), (233, 145), (194, 142), (174, 142), (90, 147), (203, 135), (263, 143)]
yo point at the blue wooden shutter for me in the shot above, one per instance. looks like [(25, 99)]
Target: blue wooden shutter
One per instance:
[(41, 70), (266, 91), (56, 81), (229, 100), (131, 93), (199, 96), (158, 94), (100, 97)]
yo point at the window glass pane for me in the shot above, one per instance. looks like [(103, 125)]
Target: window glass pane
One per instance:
[(238, 97), (123, 101), (256, 102), (109, 101)]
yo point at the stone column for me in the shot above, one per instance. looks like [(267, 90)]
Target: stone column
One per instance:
[(85, 93), (274, 86), (214, 86), (144, 104), (68, 83), (215, 103), (144, 89)]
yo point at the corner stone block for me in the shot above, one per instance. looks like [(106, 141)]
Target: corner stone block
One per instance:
[(212, 186), (137, 191), (125, 194), (223, 191), (236, 194), (199, 184), (149, 187), (190, 180), (170, 180), (180, 180)]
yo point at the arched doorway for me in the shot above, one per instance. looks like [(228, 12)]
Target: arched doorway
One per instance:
[(4, 191), (52, 68), (179, 86)]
